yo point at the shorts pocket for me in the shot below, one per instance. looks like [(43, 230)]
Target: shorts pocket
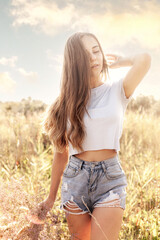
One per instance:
[(114, 171), (71, 170)]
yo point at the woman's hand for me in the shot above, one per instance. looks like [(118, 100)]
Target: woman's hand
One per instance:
[(38, 215), (113, 60), (117, 61)]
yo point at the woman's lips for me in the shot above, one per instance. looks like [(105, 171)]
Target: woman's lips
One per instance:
[(96, 66)]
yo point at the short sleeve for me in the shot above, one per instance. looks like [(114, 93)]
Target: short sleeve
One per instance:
[(123, 97)]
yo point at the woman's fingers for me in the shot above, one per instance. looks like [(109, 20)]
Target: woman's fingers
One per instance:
[(112, 59), (114, 56), (111, 54), (34, 219), (38, 216)]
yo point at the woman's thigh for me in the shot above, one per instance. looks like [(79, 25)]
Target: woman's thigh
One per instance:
[(79, 226), (106, 223)]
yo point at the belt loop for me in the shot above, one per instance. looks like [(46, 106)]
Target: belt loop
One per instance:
[(103, 166), (82, 164)]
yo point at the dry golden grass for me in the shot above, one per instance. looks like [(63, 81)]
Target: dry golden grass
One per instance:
[(25, 166)]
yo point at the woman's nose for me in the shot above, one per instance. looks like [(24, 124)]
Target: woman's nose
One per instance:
[(92, 56)]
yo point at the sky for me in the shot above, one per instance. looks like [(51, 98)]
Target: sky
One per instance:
[(34, 33)]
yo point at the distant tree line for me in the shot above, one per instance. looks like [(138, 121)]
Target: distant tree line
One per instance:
[(145, 103), (25, 106), (29, 106)]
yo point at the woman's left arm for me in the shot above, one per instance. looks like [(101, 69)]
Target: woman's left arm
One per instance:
[(140, 65)]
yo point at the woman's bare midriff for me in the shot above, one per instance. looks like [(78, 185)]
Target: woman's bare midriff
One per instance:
[(96, 156)]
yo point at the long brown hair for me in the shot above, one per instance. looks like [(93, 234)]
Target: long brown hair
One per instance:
[(70, 106)]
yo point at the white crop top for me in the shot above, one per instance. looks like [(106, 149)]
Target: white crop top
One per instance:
[(106, 107)]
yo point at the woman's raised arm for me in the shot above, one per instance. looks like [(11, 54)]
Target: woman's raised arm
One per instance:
[(140, 64)]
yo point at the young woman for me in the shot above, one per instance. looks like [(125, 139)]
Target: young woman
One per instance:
[(85, 125)]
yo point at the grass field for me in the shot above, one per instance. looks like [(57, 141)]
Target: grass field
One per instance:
[(25, 170)]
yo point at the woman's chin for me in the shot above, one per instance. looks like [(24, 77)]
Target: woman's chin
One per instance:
[(95, 74)]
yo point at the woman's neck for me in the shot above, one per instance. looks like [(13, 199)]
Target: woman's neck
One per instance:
[(96, 82)]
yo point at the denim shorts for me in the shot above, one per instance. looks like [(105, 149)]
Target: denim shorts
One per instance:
[(87, 185)]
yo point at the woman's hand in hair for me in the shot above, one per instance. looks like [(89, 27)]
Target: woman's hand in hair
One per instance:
[(113, 60)]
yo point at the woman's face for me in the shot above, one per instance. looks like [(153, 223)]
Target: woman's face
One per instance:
[(96, 57)]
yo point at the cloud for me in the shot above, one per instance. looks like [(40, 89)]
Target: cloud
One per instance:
[(9, 61), (31, 76), (125, 20), (55, 60), (7, 84), (44, 15), (143, 28)]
